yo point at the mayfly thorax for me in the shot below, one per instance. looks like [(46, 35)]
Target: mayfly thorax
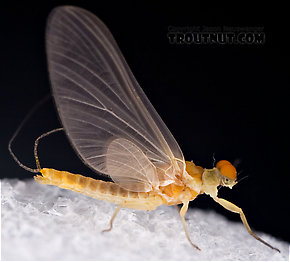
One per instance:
[(114, 128)]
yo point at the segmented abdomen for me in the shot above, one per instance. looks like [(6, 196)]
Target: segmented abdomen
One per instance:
[(99, 189)]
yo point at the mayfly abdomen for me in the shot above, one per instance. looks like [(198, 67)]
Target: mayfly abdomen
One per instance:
[(99, 189)]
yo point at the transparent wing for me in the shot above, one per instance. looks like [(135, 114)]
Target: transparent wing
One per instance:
[(106, 115), (127, 164)]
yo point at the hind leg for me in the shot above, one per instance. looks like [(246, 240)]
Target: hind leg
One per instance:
[(112, 219)]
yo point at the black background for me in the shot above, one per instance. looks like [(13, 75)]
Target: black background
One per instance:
[(229, 100)]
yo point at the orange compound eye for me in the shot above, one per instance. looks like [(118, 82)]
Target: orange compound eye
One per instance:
[(227, 169), (222, 163)]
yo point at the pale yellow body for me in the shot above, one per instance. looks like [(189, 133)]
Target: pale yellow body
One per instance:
[(195, 181), (170, 195), (99, 189)]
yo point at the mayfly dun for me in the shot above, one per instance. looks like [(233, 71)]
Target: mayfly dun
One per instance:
[(114, 128)]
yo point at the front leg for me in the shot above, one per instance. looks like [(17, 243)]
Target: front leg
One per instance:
[(233, 208)]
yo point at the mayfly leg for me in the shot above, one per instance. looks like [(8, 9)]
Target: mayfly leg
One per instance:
[(182, 213), (112, 219), (235, 209)]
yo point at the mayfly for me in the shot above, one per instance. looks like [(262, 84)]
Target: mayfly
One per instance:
[(114, 128)]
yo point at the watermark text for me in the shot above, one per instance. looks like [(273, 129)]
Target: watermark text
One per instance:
[(216, 35)]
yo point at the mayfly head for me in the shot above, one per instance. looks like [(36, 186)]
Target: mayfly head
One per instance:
[(224, 174), (228, 173)]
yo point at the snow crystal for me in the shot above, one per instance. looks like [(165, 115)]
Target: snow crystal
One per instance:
[(48, 223)]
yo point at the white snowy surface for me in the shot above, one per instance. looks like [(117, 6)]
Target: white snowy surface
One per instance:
[(48, 223)]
